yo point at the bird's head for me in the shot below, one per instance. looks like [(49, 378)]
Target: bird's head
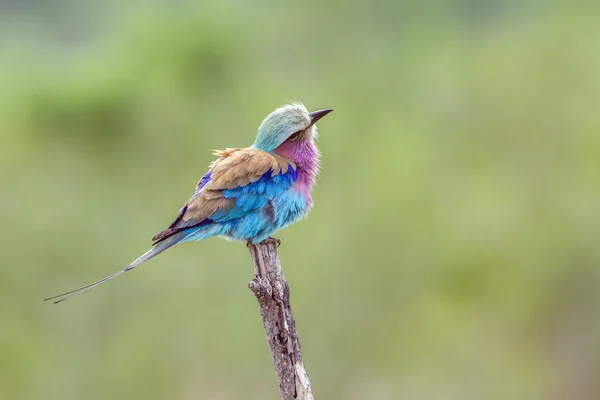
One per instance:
[(287, 123)]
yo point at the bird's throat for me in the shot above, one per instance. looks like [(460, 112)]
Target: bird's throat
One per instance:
[(305, 154)]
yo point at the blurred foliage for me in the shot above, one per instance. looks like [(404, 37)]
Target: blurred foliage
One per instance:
[(452, 251)]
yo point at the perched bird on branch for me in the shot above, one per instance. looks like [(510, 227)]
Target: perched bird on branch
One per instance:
[(248, 193)]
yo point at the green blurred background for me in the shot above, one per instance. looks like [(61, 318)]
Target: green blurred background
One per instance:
[(453, 249)]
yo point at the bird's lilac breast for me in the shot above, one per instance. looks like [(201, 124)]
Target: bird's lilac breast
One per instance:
[(306, 157), (304, 189)]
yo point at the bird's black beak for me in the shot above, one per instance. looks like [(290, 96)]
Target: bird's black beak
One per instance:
[(317, 115)]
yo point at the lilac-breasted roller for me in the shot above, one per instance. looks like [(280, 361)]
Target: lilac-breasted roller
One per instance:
[(250, 193)]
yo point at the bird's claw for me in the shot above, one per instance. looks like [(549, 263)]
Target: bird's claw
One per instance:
[(267, 240), (272, 239)]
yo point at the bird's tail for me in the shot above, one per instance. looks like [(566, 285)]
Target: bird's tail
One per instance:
[(156, 250)]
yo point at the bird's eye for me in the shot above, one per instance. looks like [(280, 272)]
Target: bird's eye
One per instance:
[(294, 136)]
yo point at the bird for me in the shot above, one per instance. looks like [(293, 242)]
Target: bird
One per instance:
[(248, 193)]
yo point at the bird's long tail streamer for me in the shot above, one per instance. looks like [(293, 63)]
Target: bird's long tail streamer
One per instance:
[(156, 250)]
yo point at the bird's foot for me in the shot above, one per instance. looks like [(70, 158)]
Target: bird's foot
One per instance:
[(267, 240), (273, 240)]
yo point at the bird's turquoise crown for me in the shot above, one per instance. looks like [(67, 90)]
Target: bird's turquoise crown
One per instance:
[(280, 125)]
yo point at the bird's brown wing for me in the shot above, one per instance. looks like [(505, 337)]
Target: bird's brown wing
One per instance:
[(233, 169)]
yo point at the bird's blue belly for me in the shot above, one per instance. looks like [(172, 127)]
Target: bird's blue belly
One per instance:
[(281, 211)]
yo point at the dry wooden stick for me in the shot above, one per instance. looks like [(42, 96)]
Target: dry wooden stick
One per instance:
[(273, 295)]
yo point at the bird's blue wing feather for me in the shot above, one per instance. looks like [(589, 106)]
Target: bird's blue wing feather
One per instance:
[(255, 195)]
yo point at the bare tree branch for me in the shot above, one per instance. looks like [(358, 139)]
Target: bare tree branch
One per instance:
[(273, 295)]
